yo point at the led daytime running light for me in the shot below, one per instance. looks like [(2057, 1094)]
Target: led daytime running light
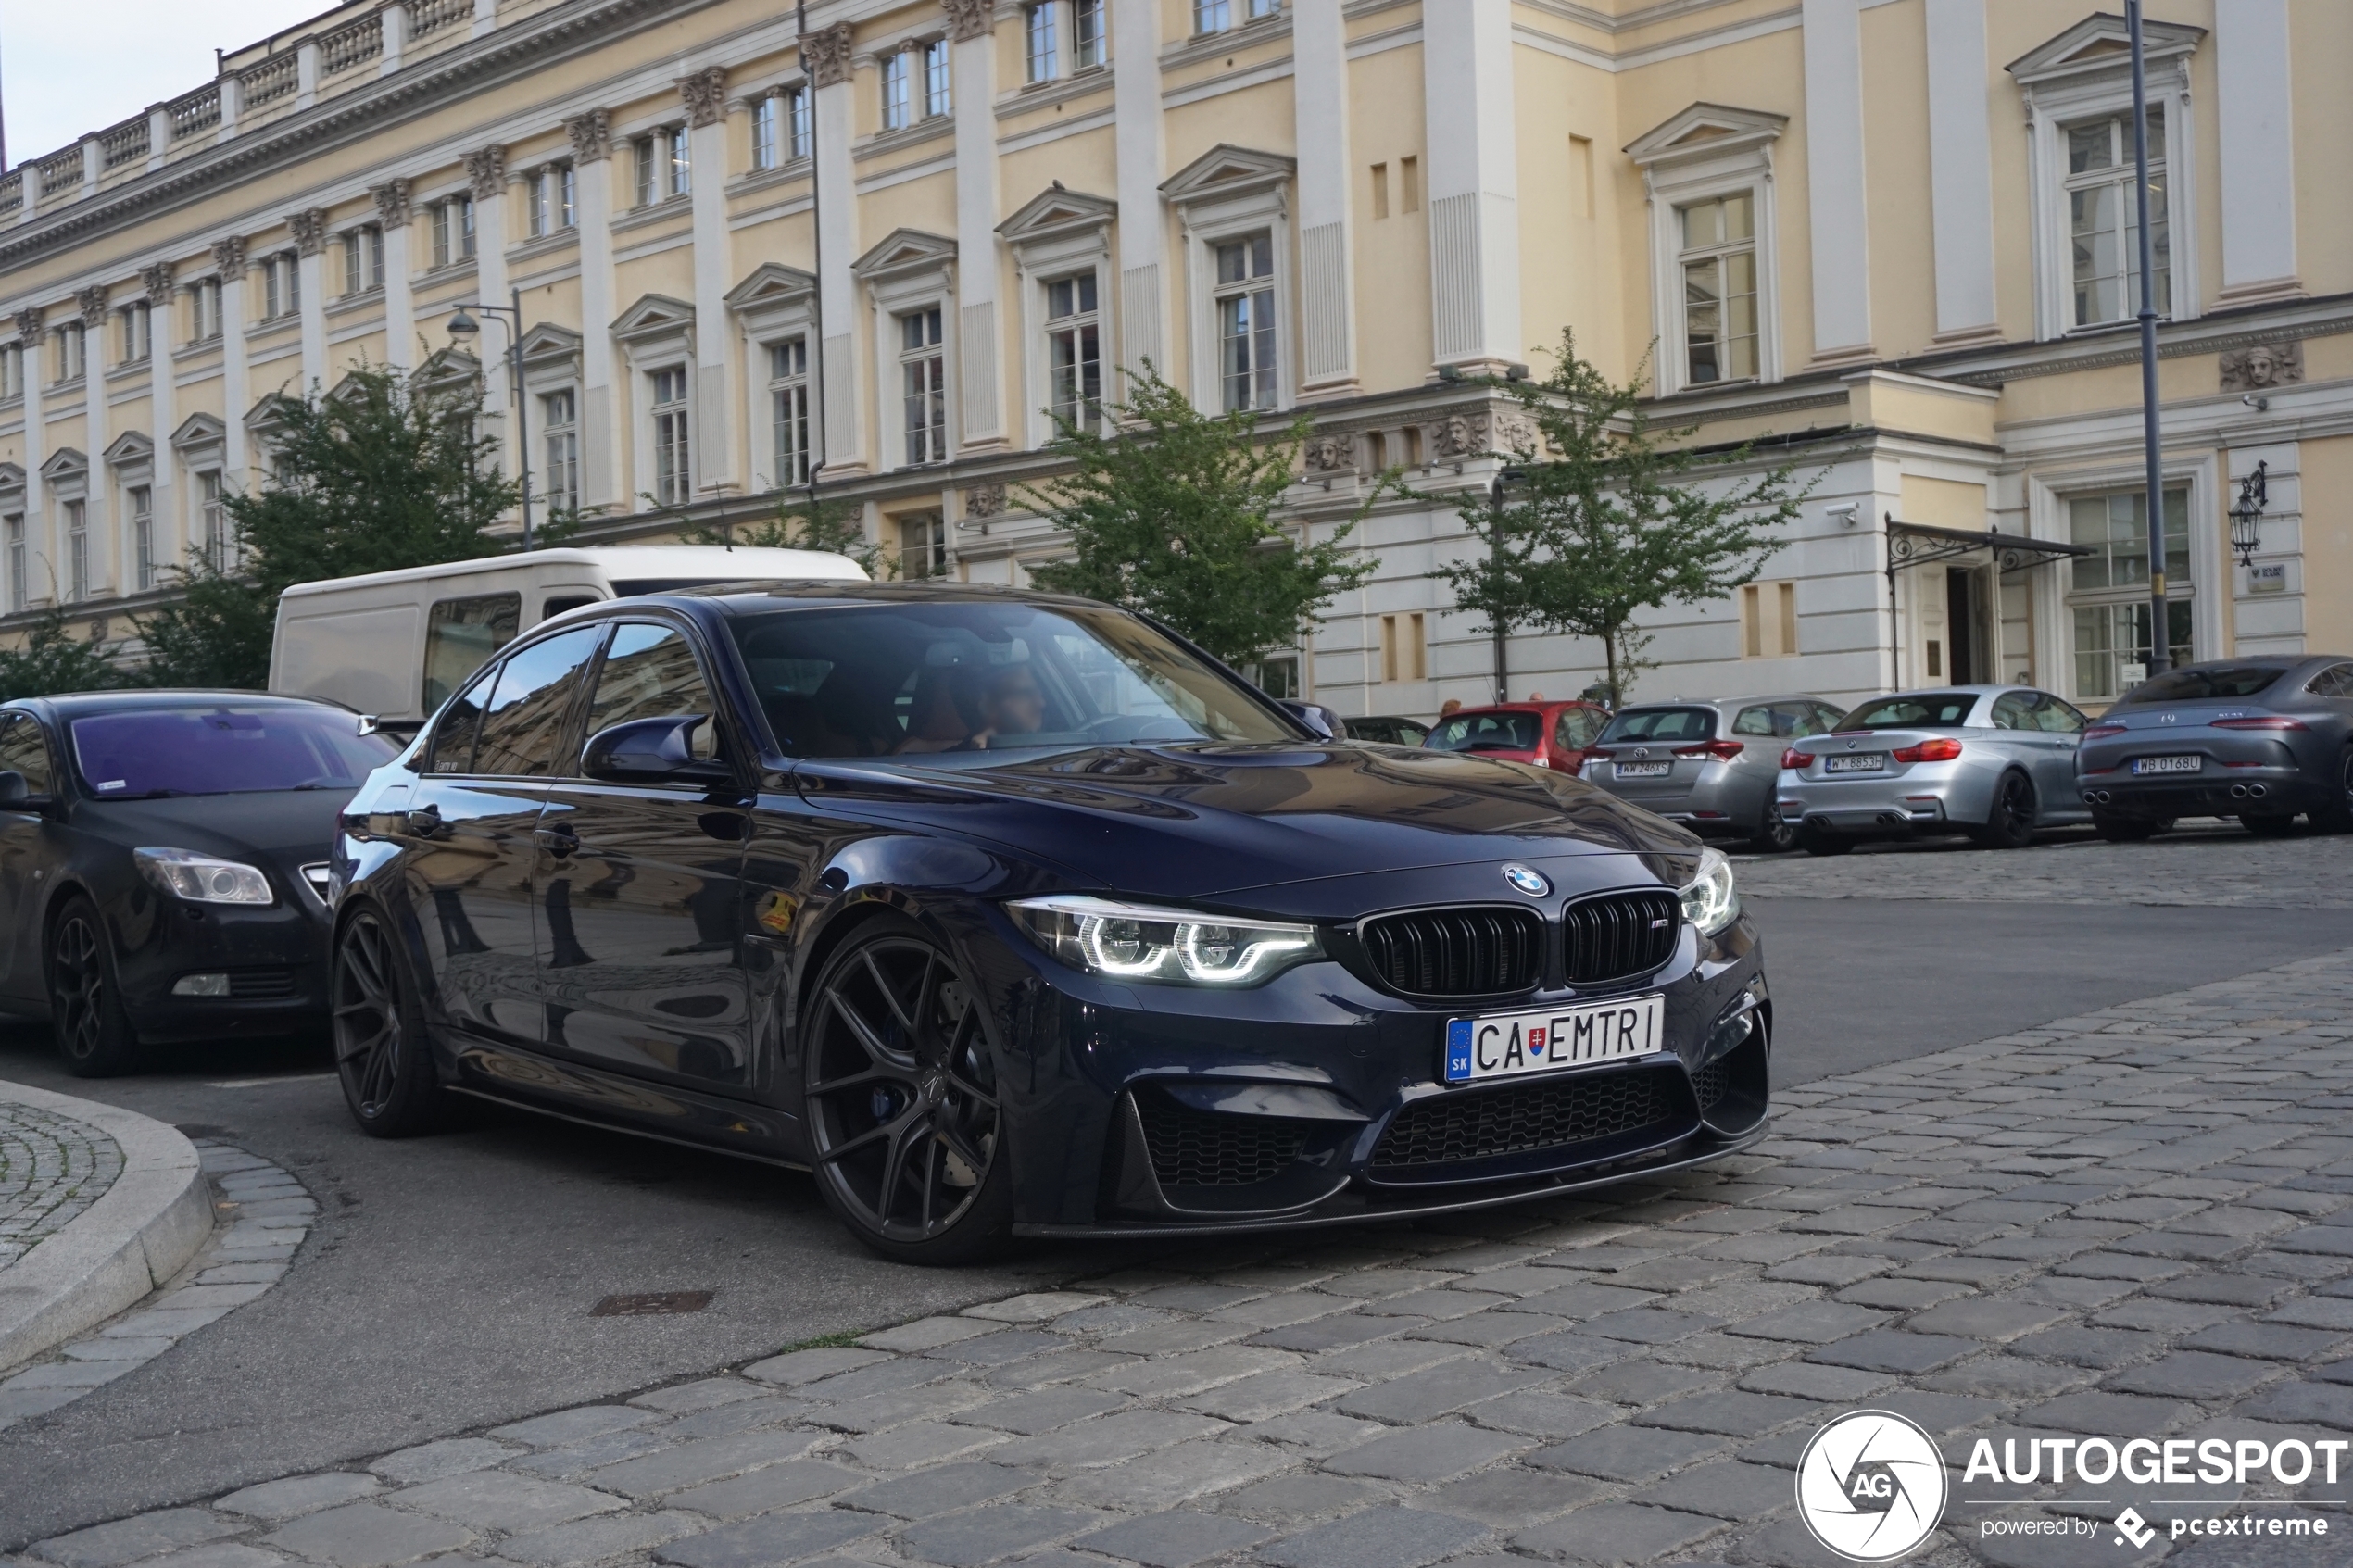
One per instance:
[(1174, 946), (1710, 900)]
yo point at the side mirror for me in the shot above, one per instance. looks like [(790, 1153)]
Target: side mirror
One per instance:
[(14, 793), (1315, 716), (653, 751)]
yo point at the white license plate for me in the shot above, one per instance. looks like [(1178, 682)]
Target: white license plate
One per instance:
[(1861, 763), (1644, 769), (2168, 764), (1515, 1044)]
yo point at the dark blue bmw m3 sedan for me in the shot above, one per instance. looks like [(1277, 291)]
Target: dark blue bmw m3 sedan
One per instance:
[(1013, 914)]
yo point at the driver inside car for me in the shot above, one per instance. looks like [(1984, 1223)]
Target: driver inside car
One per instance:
[(1011, 704)]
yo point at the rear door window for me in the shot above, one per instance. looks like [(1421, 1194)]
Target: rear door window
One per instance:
[(1761, 719), (523, 727), (1576, 728), (460, 727), (22, 750), (461, 636)]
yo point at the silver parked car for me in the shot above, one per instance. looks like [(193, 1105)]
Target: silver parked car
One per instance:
[(1708, 765), (1994, 762)]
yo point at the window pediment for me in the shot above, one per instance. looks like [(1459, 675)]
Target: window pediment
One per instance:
[(11, 479), (131, 448), (199, 434), (2099, 44), (654, 316), (1226, 171), (1706, 131), (1056, 213), (772, 285), (64, 463), (905, 253), (450, 368), (547, 346)]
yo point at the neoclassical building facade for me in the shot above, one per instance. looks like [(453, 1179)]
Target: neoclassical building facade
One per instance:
[(1890, 240)]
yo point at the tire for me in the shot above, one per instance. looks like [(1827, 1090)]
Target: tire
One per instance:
[(2128, 830), (2011, 825), (903, 1101), (1820, 841), (2275, 825), (383, 1057), (1774, 836), (2337, 816), (94, 1034)]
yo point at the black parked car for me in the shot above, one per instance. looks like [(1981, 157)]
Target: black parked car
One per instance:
[(1012, 912), (163, 864), (2259, 739)]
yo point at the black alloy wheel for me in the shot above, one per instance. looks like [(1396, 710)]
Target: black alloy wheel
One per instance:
[(2011, 823), (85, 1003), (2268, 825), (380, 1054), (2128, 830), (1774, 834), (2337, 815), (1821, 841), (903, 1102)]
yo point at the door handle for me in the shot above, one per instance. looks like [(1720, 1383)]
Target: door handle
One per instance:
[(423, 822), (559, 842)]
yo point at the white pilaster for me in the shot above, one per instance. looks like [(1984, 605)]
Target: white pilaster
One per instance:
[(979, 360), (1328, 293), (396, 26), (1960, 156), (33, 341), (236, 391), (1143, 227), (715, 395), (486, 172), (393, 214), (601, 427), (98, 511), (1474, 190), (833, 120), (163, 418), (1834, 192), (2254, 100), (311, 265)]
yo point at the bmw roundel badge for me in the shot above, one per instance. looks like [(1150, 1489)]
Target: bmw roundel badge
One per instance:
[(1531, 883)]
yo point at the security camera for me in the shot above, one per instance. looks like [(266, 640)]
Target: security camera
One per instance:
[(2260, 405), (1843, 510)]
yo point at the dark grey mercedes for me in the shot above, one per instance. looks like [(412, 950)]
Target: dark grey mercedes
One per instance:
[(2264, 740), (1007, 913)]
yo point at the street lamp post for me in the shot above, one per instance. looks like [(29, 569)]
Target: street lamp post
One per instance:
[(1496, 556), (462, 326), (2161, 638)]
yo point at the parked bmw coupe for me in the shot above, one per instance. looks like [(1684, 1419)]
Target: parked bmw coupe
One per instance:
[(2259, 739), (1710, 766), (1008, 912), (1547, 734), (163, 864), (1994, 762)]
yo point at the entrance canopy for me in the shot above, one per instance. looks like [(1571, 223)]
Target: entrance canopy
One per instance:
[(1922, 543)]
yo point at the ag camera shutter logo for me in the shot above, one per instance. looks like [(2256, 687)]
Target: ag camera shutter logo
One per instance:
[(1871, 1486)]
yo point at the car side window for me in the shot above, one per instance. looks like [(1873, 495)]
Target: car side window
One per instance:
[(649, 672), (2059, 717), (1576, 728), (2336, 681), (1827, 717), (1796, 720), (22, 750), (460, 727), (524, 726), (1758, 720), (2014, 711)]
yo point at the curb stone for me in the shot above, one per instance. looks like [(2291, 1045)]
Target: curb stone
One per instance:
[(139, 1234)]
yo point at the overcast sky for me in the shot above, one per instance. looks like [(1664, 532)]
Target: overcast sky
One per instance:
[(67, 66)]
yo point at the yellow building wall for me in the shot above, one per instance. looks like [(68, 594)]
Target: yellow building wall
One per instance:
[(1392, 323), (2326, 482)]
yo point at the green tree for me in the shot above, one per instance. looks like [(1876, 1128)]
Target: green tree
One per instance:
[(1602, 519), (802, 522), (377, 475), (54, 661), (1173, 513)]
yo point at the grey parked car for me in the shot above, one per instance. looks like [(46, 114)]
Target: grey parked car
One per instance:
[(1707, 765), (2259, 739), (1994, 762)]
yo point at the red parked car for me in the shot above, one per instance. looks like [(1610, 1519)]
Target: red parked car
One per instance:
[(1549, 734)]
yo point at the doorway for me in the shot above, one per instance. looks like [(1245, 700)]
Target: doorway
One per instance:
[(1965, 625)]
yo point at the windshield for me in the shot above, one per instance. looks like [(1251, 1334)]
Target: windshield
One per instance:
[(224, 750), (1488, 731), (920, 679), (1662, 724), (1917, 712), (2216, 680)]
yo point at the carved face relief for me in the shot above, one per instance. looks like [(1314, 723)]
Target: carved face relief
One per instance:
[(1330, 454), (2263, 365), (984, 500)]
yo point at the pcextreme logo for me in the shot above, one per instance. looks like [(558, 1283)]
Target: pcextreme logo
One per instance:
[(1870, 1485)]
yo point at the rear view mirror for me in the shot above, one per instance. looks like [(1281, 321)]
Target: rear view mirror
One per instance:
[(653, 751), (1314, 715), (14, 792)]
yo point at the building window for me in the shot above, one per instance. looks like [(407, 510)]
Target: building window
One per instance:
[(453, 230), (1277, 675), (2108, 590), (203, 310), (1768, 620), (16, 589), (780, 129), (922, 373), (212, 521), (789, 409), (1246, 323), (673, 462), (922, 545), (560, 418), (142, 536), (72, 344), (281, 286), (2104, 236), (11, 373), (1074, 351), (937, 100), (1087, 35), (1405, 654), (1045, 55), (796, 120), (1222, 16), (764, 149), (138, 336), (1719, 262), (77, 550), (664, 168), (363, 259), (894, 90), (552, 194)]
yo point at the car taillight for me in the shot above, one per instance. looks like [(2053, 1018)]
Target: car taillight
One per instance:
[(1938, 750), (2257, 723), (2101, 731), (1793, 757), (1722, 750)]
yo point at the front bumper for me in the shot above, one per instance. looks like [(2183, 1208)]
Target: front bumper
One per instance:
[(1317, 1100), (274, 957)]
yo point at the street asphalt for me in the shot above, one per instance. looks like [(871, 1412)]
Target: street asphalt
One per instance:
[(449, 1281)]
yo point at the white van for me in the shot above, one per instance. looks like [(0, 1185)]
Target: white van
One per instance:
[(394, 643)]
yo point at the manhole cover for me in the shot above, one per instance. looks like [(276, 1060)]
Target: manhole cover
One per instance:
[(654, 1304)]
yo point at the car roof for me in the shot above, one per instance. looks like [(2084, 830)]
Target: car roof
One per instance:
[(69, 705), (762, 595), (621, 561), (1531, 705)]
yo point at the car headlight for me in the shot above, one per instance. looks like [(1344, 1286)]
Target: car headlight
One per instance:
[(202, 879), (1710, 901), (1136, 941)]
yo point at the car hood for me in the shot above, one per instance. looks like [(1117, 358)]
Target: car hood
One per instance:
[(284, 829), (1192, 820)]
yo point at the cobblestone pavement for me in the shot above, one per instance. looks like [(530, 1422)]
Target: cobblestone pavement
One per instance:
[(2205, 864), (51, 1169), (262, 1216), (2125, 1223)]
